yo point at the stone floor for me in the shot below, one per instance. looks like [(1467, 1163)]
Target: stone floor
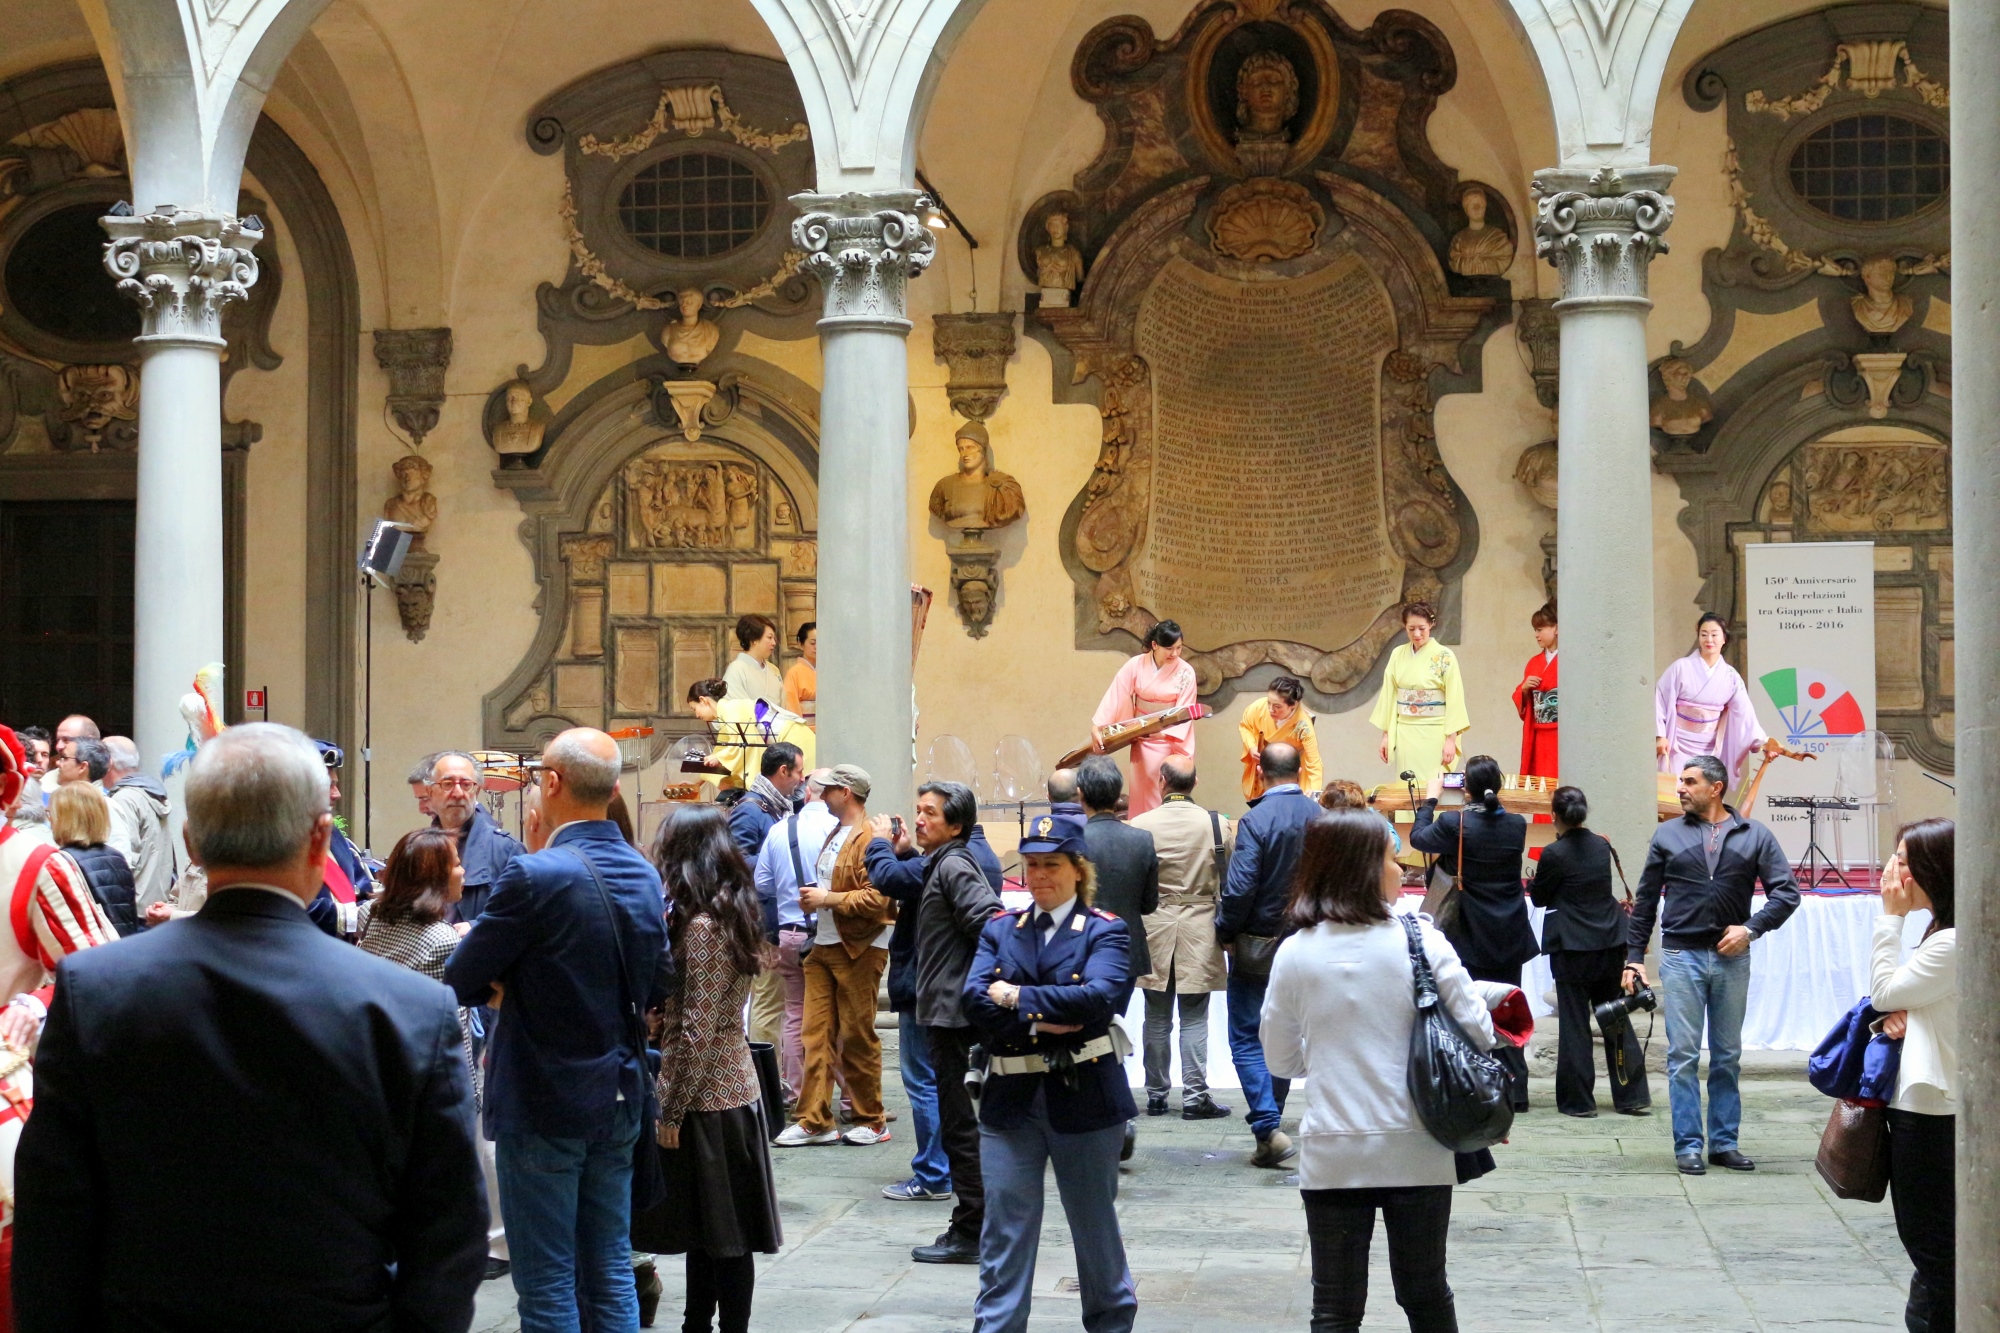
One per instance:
[(1586, 1225)]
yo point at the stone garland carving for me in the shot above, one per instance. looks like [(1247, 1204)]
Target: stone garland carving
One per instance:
[(416, 360), (591, 267), (182, 267), (692, 110), (1797, 261), (864, 254), (1871, 70)]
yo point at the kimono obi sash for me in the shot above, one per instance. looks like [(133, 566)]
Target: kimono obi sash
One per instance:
[(1420, 705), (1698, 726), (1544, 710)]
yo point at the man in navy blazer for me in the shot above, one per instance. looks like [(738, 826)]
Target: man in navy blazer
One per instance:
[(320, 1171), (567, 1085), (1248, 921)]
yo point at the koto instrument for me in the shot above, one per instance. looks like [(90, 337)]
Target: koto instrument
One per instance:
[(1119, 735), (1521, 793)]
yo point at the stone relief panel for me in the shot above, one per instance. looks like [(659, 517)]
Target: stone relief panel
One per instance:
[(1265, 245)]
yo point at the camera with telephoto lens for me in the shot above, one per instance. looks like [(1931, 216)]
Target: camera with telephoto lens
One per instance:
[(1612, 1013)]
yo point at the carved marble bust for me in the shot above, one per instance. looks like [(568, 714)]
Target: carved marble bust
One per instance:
[(1058, 265), (1680, 409), (413, 504), (518, 435), (1267, 96), (691, 338), (1480, 249), (976, 498), (1880, 309), (1537, 469)]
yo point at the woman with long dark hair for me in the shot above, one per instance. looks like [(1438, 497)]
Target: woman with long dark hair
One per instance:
[(1157, 679), (721, 1206), (1338, 1014), (1486, 920), (1920, 999)]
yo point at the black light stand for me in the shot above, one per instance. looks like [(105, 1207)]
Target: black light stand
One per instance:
[(381, 560)]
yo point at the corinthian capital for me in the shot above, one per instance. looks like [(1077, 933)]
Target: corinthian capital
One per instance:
[(182, 266), (864, 248), (1601, 229)]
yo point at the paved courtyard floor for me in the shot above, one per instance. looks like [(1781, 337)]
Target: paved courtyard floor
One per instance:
[(1585, 1226)]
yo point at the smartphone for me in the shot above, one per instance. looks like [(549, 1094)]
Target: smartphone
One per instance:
[(896, 824), (1454, 781)]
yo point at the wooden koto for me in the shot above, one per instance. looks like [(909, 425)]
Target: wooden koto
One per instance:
[(1119, 735), (1524, 794)]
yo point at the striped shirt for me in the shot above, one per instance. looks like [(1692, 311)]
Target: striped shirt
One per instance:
[(48, 919)]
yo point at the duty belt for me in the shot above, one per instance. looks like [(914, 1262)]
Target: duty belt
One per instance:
[(1035, 1064)]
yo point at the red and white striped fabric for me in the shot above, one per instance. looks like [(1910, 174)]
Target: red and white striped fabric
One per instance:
[(49, 915)]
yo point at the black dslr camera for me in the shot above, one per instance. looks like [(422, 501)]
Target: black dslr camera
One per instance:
[(1612, 1014)]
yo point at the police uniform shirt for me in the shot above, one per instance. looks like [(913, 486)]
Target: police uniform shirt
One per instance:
[(1059, 916)]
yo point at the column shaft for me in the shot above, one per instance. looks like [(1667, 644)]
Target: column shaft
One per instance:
[(1975, 424), (864, 248)]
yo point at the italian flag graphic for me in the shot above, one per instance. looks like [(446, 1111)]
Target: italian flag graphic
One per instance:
[(1812, 703)]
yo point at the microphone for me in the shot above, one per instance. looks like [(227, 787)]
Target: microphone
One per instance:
[(1408, 775)]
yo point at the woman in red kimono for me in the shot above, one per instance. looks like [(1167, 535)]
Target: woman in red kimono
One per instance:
[(1535, 699)]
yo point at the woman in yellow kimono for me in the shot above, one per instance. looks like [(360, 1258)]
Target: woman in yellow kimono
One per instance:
[(1279, 716), (745, 728), (1421, 710)]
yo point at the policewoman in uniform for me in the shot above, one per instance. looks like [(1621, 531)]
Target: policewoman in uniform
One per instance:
[(1043, 990)]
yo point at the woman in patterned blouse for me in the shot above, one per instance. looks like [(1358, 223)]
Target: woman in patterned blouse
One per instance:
[(721, 1205)]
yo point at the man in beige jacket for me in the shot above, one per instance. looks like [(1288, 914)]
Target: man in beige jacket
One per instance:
[(1192, 844)]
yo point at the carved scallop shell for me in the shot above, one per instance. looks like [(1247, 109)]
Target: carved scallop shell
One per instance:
[(1262, 220), (92, 133)]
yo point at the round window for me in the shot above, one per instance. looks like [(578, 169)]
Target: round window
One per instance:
[(694, 205), (1873, 168), (56, 279)]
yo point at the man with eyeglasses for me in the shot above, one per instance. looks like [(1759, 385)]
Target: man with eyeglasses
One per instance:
[(484, 848)]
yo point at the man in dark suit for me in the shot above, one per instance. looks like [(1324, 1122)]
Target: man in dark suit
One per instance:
[(1248, 922), (1126, 865), (321, 1174), (571, 951)]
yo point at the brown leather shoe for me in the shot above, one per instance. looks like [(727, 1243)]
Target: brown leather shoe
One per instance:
[(1275, 1152)]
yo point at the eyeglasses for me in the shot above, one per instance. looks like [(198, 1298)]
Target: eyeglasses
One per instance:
[(456, 784)]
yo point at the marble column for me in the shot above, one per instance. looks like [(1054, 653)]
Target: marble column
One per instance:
[(181, 266), (1975, 491), (864, 248), (1601, 229)]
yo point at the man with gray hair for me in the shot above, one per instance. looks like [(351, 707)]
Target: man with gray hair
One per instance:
[(328, 1179), (484, 848), (571, 952), (139, 822)]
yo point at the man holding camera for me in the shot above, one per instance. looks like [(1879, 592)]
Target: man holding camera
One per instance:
[(1708, 862)]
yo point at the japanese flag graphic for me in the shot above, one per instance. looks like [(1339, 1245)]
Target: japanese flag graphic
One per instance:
[(1812, 703)]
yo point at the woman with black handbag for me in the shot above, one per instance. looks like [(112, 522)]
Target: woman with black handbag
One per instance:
[(1486, 917), (1339, 1013), (1919, 1002), (721, 1206)]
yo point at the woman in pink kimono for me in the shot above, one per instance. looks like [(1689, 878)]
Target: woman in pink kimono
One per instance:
[(1702, 706), (1155, 680)]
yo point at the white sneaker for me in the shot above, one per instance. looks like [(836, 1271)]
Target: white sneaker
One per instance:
[(863, 1137), (795, 1136)]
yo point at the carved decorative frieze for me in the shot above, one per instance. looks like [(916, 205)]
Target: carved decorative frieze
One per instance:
[(864, 249), (416, 360), (1599, 234), (692, 110), (182, 267), (975, 347)]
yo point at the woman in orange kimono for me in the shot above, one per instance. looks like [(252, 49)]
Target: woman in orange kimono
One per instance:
[(1535, 699), (1155, 680)]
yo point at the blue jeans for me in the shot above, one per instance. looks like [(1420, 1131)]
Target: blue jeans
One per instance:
[(568, 1207), (930, 1168), (1704, 987), (1265, 1095)]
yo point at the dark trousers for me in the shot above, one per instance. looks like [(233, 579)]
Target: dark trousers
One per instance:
[(958, 1130), (717, 1281), (1920, 1182), (1341, 1223), (1584, 979), (1506, 1051)]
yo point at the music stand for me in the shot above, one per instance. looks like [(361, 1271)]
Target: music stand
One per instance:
[(1812, 805)]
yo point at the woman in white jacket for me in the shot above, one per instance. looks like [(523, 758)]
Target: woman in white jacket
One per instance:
[(1338, 1014), (1919, 999)]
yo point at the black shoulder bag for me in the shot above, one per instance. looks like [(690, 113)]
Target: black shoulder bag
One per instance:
[(1460, 1091), (1220, 852), (649, 1182)]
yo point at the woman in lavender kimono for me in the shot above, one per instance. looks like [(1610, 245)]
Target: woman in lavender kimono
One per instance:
[(1702, 706)]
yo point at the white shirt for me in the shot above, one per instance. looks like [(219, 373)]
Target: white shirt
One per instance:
[(1926, 986), (1059, 916)]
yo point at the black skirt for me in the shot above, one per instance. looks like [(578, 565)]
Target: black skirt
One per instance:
[(720, 1196)]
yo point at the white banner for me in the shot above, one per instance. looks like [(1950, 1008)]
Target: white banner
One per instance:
[(1810, 616)]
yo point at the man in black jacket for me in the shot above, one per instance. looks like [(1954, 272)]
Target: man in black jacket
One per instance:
[(1707, 862), (957, 903), (1584, 937), (326, 1177), (1126, 864)]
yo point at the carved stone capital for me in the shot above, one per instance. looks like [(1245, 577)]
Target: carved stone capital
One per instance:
[(1601, 230), (181, 266), (976, 348), (416, 360), (863, 248), (1541, 333)]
